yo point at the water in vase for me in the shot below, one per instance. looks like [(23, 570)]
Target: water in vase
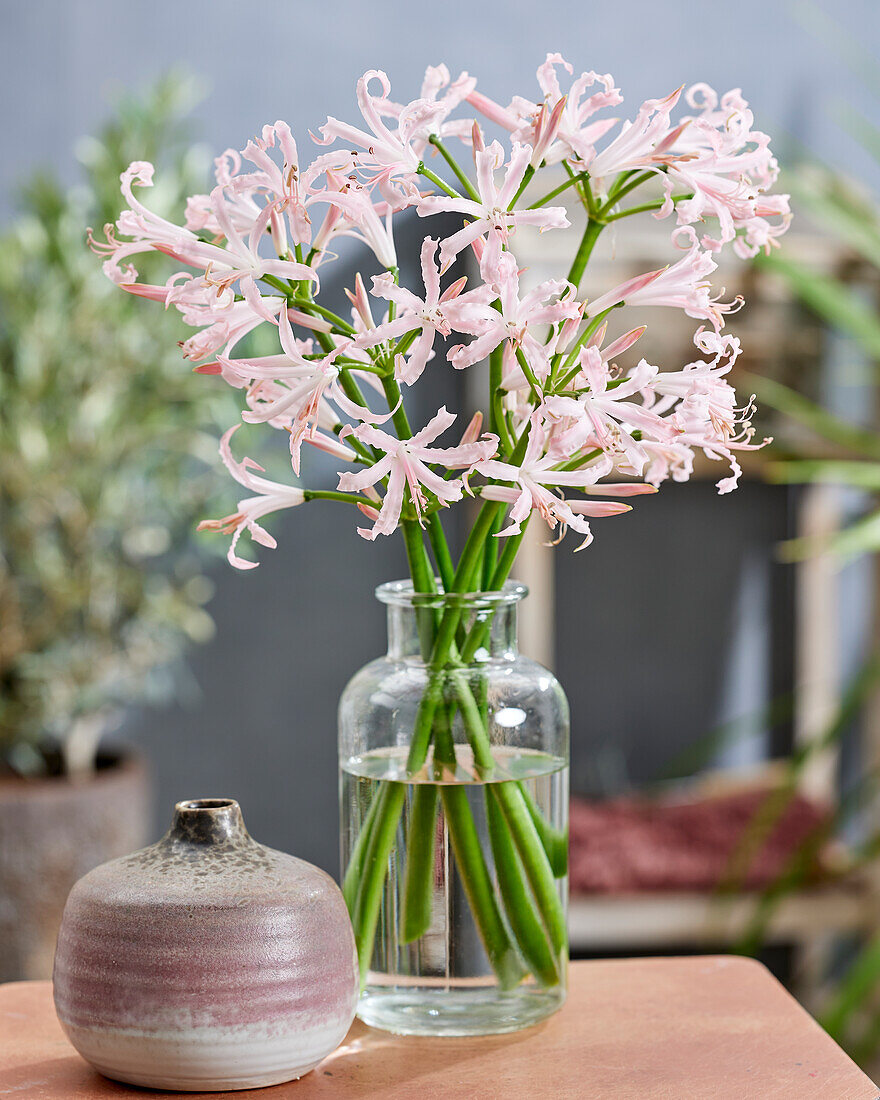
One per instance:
[(451, 956)]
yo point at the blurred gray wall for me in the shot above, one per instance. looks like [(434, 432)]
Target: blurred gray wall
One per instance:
[(291, 59), (259, 722)]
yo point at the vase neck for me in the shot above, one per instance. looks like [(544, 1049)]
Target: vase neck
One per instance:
[(208, 821), (414, 619)]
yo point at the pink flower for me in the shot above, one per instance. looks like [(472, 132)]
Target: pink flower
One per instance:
[(605, 417), (236, 261), (239, 260), (271, 496), (492, 214), (437, 312), (357, 216), (286, 390), (670, 459), (517, 320), (727, 166), (225, 325), (239, 192), (683, 285), (642, 143), (576, 135), (559, 127), (759, 233), (406, 465), (438, 88), (282, 182), (534, 486), (388, 154)]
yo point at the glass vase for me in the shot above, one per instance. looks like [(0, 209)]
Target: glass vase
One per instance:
[(453, 753)]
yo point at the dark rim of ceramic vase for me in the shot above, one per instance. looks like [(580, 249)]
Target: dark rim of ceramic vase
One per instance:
[(192, 804)]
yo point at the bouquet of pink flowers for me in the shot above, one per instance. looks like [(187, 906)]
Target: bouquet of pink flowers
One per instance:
[(575, 423)]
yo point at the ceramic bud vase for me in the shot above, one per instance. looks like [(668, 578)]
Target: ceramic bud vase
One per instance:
[(206, 961)]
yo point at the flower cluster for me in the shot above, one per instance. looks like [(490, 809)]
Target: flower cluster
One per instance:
[(573, 415)]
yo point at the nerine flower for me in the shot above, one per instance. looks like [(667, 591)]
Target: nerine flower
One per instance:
[(726, 166), (406, 463), (285, 390), (683, 285), (271, 496), (536, 484), (236, 261), (605, 416), (240, 194), (388, 154), (237, 245), (551, 302), (643, 143), (571, 135), (436, 312), (356, 215), (492, 214), (440, 89), (224, 323)]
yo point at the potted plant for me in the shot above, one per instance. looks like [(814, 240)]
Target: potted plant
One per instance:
[(102, 476)]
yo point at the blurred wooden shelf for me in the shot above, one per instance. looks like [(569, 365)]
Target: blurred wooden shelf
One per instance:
[(663, 920)]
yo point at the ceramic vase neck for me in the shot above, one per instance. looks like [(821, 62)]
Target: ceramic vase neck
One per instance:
[(208, 821)]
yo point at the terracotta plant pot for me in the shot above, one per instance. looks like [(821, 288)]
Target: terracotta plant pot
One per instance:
[(206, 961), (52, 831)]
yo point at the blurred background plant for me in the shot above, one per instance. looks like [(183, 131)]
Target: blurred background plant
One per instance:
[(838, 448), (107, 457)]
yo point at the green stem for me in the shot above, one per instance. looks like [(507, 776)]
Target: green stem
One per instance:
[(529, 373), (374, 866), (418, 879), (308, 304), (332, 494), (501, 423), (496, 369), (462, 830), (645, 206), (456, 167), (617, 193), (474, 873), (538, 868), (535, 863), (526, 180), (554, 841), (327, 314), (437, 181), (440, 546), (382, 837), (570, 182), (518, 905), (355, 869), (585, 248)]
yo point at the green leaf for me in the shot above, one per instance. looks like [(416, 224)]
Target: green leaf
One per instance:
[(848, 216), (859, 985), (861, 475), (813, 416), (837, 304), (861, 537)]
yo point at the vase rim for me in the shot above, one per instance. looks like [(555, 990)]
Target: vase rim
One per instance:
[(402, 594)]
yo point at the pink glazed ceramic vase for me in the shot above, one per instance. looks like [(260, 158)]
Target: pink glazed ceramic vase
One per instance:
[(206, 962)]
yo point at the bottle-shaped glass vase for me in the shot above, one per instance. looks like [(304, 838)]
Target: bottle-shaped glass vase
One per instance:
[(453, 754)]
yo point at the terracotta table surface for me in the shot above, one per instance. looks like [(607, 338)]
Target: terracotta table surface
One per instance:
[(636, 1029)]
